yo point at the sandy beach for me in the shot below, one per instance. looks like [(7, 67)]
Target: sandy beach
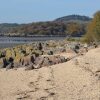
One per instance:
[(77, 79)]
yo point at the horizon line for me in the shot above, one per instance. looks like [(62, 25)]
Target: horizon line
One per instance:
[(44, 20)]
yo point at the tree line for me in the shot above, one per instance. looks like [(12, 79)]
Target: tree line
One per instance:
[(93, 29), (45, 28)]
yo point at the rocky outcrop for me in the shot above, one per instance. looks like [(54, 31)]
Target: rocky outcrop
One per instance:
[(30, 55), (31, 62)]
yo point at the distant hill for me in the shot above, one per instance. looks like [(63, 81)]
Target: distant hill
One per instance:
[(74, 24), (74, 18), (8, 24), (6, 27)]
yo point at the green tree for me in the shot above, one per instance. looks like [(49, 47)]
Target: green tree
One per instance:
[(73, 29), (93, 29)]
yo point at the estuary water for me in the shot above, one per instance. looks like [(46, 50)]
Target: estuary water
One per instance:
[(13, 41)]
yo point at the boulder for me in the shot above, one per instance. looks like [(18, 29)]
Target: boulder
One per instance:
[(16, 64), (10, 66), (27, 60), (5, 62), (37, 66), (29, 67), (63, 59), (50, 53), (38, 60), (77, 47), (39, 46), (42, 61), (62, 49), (2, 54), (11, 60), (1, 63), (57, 59), (46, 62)]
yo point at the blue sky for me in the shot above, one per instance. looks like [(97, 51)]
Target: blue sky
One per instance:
[(25, 11)]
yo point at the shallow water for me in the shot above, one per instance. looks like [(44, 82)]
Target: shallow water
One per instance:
[(13, 41)]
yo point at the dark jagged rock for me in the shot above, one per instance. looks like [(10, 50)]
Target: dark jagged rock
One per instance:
[(10, 66), (39, 46), (10, 60), (32, 58), (5, 63), (95, 45), (50, 53), (76, 48)]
